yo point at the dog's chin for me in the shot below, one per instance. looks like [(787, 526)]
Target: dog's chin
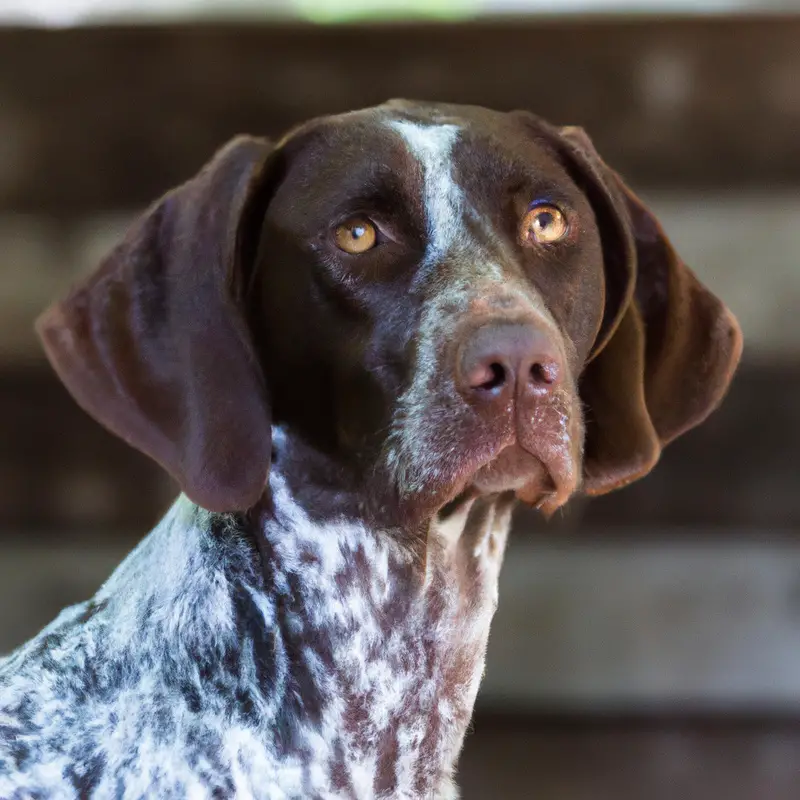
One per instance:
[(541, 473), (512, 470), (536, 483)]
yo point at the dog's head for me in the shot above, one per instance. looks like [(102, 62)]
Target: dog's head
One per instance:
[(439, 298)]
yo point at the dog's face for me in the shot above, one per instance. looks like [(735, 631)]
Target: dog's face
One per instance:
[(436, 275), (429, 295)]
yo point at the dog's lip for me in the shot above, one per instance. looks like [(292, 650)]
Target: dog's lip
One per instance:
[(540, 474), (534, 454), (552, 433), (544, 483), (561, 469), (548, 502), (545, 486), (510, 469)]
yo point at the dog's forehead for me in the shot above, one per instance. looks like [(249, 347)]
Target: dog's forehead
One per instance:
[(402, 135), (435, 166)]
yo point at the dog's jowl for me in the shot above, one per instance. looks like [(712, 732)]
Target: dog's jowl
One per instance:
[(355, 349)]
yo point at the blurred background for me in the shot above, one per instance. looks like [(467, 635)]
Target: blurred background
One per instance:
[(648, 643)]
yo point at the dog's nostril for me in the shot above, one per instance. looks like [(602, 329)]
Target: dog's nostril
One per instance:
[(504, 360), (544, 373), (488, 377), (498, 376)]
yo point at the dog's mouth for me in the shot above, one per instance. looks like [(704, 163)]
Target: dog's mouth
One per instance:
[(538, 459), (546, 485), (532, 450), (537, 454), (512, 469)]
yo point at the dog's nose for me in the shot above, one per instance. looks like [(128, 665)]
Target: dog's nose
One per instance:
[(508, 358)]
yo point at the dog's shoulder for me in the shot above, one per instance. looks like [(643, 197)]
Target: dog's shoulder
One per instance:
[(107, 689), (45, 687)]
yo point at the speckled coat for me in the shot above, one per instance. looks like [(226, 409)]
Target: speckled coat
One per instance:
[(278, 659)]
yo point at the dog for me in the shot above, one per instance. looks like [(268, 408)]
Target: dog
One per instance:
[(355, 349)]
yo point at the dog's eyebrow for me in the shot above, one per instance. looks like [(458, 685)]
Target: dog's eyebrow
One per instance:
[(443, 198)]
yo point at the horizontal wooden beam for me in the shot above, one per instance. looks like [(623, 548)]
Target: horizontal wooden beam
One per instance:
[(109, 117), (519, 758), (700, 624)]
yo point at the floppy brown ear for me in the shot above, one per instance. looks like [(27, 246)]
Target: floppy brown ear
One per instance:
[(669, 351), (154, 344)]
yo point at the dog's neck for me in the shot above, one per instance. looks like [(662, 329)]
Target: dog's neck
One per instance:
[(384, 639), (335, 483), (342, 654)]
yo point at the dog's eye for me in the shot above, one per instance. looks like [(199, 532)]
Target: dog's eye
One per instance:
[(544, 224), (355, 236)]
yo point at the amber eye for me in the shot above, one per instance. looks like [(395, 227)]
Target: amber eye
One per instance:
[(544, 224), (355, 236)]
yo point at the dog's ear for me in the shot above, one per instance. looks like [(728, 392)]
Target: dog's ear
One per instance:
[(155, 345), (668, 347)]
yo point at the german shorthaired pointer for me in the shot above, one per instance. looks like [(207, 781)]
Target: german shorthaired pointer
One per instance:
[(354, 349)]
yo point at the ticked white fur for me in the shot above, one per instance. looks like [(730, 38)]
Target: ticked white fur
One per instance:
[(172, 606)]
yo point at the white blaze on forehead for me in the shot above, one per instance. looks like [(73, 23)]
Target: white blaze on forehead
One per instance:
[(443, 199)]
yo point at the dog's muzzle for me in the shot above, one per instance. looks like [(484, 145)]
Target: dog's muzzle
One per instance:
[(514, 376)]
